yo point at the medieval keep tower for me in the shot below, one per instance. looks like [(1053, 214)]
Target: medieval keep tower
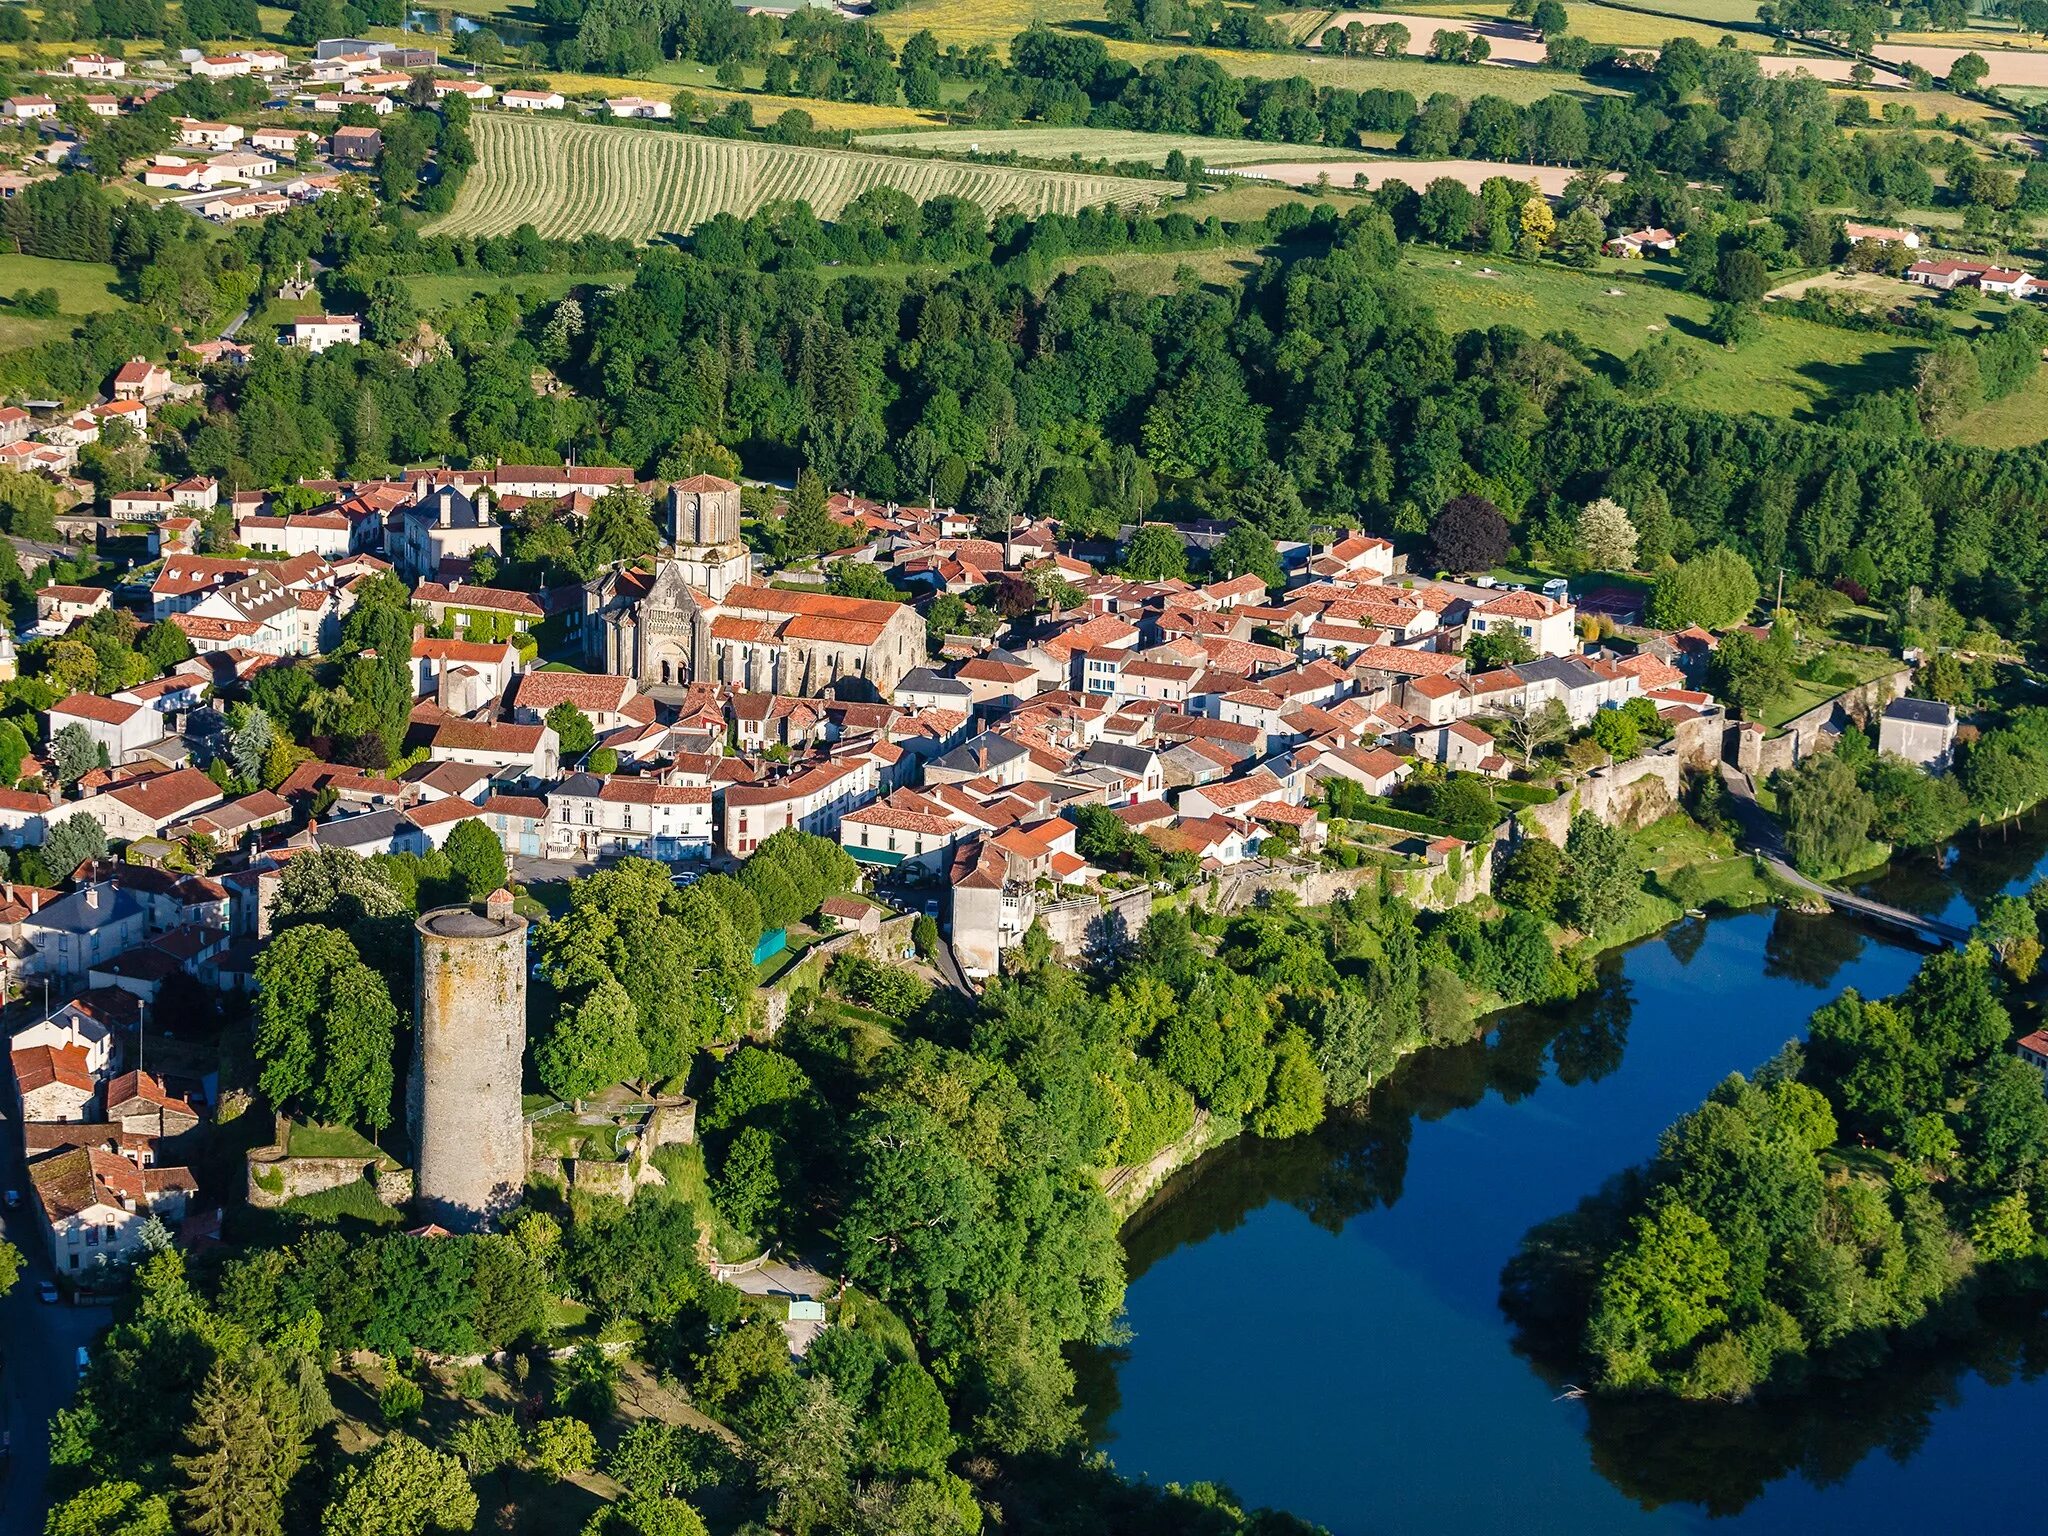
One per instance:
[(462, 1097)]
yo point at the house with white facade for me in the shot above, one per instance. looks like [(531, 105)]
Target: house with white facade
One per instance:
[(121, 727), (814, 799), (316, 333), (591, 816), (94, 1204)]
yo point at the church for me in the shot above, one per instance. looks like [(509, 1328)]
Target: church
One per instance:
[(699, 616)]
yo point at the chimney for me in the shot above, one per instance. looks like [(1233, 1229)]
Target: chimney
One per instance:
[(35, 900), (446, 506), (92, 897)]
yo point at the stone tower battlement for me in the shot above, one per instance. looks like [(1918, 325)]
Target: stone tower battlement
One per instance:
[(462, 1095)]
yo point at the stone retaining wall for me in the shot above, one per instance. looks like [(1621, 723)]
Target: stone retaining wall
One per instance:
[(275, 1177), (1631, 794), (1760, 755), (670, 1122), (1083, 929)]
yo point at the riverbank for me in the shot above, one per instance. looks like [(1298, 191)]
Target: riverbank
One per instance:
[(1393, 1227), (1687, 870)]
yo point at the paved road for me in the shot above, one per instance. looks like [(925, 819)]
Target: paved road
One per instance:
[(788, 1279), (947, 964), (1761, 833), (532, 871), (38, 1360)]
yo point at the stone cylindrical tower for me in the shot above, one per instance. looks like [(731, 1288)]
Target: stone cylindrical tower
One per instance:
[(462, 1096)]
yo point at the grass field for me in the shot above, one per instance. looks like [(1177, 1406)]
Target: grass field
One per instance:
[(1247, 200), (1693, 10), (1112, 144), (443, 290), (1462, 80), (826, 114), (1616, 25), (985, 21), (1160, 272), (2017, 421), (1795, 368), (83, 288), (568, 178), (981, 21)]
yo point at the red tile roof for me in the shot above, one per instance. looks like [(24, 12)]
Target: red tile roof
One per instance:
[(90, 706), (38, 1066)]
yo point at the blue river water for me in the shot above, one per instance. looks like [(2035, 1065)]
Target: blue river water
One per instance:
[(1317, 1323)]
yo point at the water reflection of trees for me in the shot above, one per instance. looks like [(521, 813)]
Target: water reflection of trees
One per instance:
[(1811, 949), (1358, 1162), (1723, 1456), (1985, 862)]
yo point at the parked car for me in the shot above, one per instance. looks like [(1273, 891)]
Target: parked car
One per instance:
[(84, 1361), (48, 1292)]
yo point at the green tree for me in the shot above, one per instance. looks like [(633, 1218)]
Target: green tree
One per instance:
[(1658, 1292), (2005, 1122), (74, 753), (1246, 551), (1616, 733), (405, 1489), (111, 1509), (747, 1188), (1497, 648), (1826, 812), (1714, 590), (573, 729), (1156, 553), (1742, 277), (325, 1028), (1752, 673), (806, 528), (753, 1078), (1294, 1089), (245, 1443), (561, 1446), (908, 1426), (804, 1466), (1601, 876), (1531, 875), (72, 841), (13, 749), (593, 1044), (477, 858)]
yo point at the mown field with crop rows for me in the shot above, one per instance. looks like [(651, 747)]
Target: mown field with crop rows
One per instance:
[(568, 178)]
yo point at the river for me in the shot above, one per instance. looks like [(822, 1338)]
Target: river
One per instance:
[(1317, 1323)]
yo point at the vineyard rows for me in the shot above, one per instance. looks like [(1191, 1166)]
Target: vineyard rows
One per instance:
[(567, 179)]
